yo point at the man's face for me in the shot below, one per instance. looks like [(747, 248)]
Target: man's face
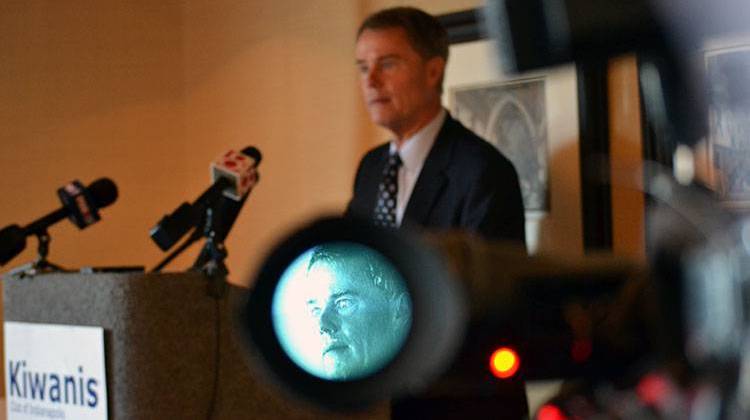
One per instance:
[(399, 87), (356, 321)]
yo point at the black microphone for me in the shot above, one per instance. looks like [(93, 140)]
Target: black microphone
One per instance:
[(80, 205), (254, 153), (233, 174)]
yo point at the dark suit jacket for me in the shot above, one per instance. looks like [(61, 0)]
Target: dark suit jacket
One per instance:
[(465, 183)]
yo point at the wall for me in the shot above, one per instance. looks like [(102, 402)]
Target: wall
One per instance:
[(626, 153), (280, 76), (86, 92)]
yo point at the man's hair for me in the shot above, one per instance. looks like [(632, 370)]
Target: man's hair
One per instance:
[(426, 34), (364, 263)]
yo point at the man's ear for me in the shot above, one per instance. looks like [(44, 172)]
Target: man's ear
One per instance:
[(435, 70)]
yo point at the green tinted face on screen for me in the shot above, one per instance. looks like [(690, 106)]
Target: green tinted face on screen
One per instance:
[(341, 311)]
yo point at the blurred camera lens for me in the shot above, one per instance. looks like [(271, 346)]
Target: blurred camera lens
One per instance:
[(346, 314)]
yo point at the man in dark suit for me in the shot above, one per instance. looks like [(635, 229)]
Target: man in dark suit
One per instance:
[(434, 174), (447, 176)]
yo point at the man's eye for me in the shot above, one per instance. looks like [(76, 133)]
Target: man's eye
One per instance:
[(387, 64), (314, 310), (362, 69), (345, 305)]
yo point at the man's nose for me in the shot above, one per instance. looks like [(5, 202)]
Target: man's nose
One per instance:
[(329, 322), (372, 77)]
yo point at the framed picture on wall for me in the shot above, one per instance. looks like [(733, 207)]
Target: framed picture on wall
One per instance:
[(513, 117), (533, 120), (728, 157)]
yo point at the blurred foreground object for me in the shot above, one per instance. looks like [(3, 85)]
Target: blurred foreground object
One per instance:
[(665, 34), (464, 299)]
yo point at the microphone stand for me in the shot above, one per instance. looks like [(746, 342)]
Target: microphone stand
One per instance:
[(210, 261), (194, 237), (41, 265)]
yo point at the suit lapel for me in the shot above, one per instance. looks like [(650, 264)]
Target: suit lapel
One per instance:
[(433, 177)]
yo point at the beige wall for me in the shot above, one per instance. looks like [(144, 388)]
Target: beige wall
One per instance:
[(277, 75), (90, 91)]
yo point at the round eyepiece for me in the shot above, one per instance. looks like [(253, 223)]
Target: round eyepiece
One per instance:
[(347, 314)]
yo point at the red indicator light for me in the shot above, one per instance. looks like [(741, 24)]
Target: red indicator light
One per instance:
[(504, 363), (550, 412), (653, 389)]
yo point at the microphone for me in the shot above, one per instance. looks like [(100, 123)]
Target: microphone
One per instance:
[(239, 169), (80, 204), (227, 210), (233, 175)]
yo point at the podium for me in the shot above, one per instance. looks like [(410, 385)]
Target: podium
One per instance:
[(164, 338)]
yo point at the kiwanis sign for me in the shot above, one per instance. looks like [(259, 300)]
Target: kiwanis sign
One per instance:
[(54, 372)]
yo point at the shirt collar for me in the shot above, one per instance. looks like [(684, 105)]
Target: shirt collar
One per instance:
[(415, 148)]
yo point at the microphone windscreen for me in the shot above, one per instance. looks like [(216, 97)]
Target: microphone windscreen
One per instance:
[(253, 152), (238, 169), (103, 192)]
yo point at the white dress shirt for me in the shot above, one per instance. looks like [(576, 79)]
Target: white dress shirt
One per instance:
[(413, 152)]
